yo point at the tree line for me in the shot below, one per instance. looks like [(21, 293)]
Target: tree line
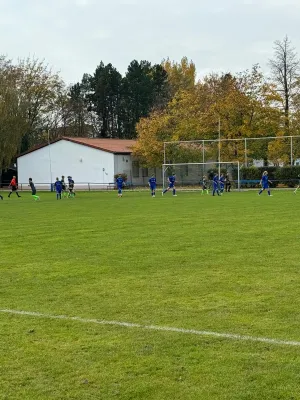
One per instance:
[(150, 103), (233, 106)]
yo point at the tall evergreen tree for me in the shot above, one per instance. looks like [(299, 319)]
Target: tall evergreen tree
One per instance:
[(105, 99), (144, 89), (78, 110)]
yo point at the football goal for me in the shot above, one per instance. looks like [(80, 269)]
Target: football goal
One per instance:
[(189, 176)]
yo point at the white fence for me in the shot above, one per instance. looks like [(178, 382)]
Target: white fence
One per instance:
[(78, 186)]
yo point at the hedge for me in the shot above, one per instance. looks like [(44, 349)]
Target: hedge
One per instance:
[(288, 176)]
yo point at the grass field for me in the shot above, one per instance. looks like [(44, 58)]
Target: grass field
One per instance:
[(226, 265)]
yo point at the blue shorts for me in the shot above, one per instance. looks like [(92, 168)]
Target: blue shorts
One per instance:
[(265, 186), (152, 187), (171, 185), (119, 189)]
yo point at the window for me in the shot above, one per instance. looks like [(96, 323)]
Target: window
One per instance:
[(145, 172), (135, 169)]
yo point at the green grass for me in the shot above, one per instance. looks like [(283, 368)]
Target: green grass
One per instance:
[(228, 264)]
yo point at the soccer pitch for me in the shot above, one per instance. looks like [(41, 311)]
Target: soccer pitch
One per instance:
[(192, 297)]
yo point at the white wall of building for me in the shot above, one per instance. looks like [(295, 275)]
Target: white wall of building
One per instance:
[(83, 163), (123, 164)]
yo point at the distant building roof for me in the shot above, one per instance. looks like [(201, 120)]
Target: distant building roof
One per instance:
[(115, 146)]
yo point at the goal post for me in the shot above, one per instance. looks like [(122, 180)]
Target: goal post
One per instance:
[(189, 175)]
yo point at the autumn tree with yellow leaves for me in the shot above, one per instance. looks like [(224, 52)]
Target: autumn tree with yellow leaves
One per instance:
[(242, 104)]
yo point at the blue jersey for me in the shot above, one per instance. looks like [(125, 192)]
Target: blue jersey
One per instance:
[(152, 182), (216, 181), (58, 186), (119, 181), (222, 180), (265, 181), (172, 180)]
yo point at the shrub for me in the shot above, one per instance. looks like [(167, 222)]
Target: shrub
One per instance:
[(288, 175), (123, 175), (279, 175)]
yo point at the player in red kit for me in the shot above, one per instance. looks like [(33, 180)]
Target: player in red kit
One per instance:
[(13, 187)]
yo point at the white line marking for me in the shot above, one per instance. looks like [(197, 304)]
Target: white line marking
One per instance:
[(157, 328)]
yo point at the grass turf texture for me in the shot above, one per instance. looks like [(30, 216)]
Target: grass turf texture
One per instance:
[(228, 264)]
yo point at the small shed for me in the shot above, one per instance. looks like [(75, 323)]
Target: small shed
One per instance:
[(90, 162)]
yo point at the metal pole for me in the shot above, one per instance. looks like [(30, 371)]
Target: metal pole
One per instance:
[(50, 162), (164, 152), (235, 140), (203, 158), (246, 161), (219, 146), (239, 186), (292, 151)]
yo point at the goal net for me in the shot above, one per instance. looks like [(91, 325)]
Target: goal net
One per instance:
[(190, 175)]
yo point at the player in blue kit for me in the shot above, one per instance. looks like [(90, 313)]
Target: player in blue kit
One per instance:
[(120, 182), (216, 185), (172, 181), (152, 185), (222, 183), (265, 183), (58, 189)]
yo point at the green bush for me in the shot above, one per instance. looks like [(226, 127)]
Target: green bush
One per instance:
[(288, 175), (211, 172), (279, 175), (124, 176), (250, 173)]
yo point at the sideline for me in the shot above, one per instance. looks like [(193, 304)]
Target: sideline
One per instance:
[(230, 336)]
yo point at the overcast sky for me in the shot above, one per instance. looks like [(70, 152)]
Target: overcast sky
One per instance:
[(73, 36)]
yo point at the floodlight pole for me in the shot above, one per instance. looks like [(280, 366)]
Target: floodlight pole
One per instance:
[(50, 162), (292, 151), (239, 184), (219, 129), (246, 161)]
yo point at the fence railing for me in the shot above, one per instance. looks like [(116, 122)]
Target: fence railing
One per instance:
[(181, 184), (85, 186)]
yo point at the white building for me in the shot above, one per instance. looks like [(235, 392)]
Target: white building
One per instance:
[(90, 162)]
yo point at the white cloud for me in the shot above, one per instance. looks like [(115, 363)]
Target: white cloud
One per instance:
[(75, 35), (83, 3)]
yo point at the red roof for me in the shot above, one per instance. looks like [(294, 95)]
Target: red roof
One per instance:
[(115, 146)]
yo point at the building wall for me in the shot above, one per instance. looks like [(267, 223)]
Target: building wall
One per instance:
[(136, 175), (123, 164), (83, 163)]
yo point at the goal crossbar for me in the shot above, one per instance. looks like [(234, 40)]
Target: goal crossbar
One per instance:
[(166, 166)]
